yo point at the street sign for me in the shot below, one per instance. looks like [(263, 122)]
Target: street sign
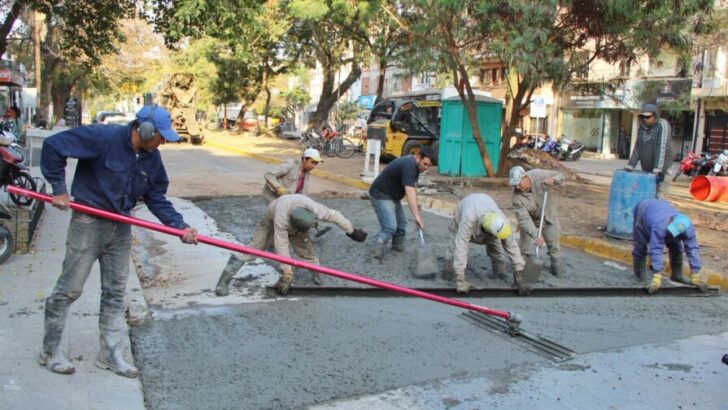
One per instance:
[(538, 107)]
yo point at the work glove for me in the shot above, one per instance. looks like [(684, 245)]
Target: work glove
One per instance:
[(280, 191), (357, 235), (698, 282), (656, 283)]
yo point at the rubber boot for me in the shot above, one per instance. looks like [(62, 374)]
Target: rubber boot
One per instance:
[(655, 283), (524, 289), (376, 252), (556, 268), (640, 269), (56, 362), (462, 286), (398, 243), (499, 271), (111, 358), (676, 269), (316, 278), (284, 284), (231, 268)]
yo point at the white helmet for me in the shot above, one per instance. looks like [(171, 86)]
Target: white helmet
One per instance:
[(515, 175)]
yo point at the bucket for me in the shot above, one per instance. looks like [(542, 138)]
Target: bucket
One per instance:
[(627, 190), (709, 189)]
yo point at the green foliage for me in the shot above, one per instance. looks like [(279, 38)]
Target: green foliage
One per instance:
[(347, 111)]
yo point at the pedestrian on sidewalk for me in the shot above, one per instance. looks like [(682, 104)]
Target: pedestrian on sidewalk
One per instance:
[(528, 193), (285, 223), (117, 165), (397, 181), (291, 176), (658, 224), (653, 149), (479, 220), (623, 144)]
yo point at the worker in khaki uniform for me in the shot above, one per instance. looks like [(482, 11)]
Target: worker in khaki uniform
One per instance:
[(528, 194), (285, 223), (479, 220), (291, 176)]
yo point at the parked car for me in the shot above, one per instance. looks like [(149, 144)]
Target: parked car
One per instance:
[(112, 117)]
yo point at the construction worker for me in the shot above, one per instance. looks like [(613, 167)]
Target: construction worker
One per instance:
[(117, 165), (291, 176), (658, 224), (394, 183), (286, 221), (653, 149), (528, 193), (479, 220)]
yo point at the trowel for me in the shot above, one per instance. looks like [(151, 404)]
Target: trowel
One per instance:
[(534, 265)]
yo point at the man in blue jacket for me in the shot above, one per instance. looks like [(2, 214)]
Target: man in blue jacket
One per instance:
[(117, 166), (658, 224)]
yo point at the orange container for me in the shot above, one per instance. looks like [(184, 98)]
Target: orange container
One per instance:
[(709, 189)]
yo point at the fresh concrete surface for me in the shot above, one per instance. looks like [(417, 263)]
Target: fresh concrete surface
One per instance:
[(682, 374)]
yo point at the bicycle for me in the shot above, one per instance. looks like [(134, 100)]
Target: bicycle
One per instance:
[(340, 147)]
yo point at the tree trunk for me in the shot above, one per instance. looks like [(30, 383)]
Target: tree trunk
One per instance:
[(10, 18), (523, 92), (380, 80), (329, 95), (471, 109)]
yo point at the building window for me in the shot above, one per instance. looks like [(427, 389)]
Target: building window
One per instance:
[(504, 74), (624, 68), (494, 76)]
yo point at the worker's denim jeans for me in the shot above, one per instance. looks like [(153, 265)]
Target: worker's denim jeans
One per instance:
[(391, 218), (90, 239)]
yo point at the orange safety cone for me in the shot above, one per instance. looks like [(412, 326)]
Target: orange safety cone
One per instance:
[(709, 189)]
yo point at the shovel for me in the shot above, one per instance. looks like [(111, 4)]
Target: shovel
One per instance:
[(425, 266), (534, 265)]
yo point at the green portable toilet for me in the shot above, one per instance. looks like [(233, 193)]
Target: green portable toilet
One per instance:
[(458, 153)]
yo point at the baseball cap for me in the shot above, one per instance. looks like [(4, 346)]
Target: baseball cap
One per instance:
[(161, 119), (650, 109), (313, 154), (680, 223), (515, 175)]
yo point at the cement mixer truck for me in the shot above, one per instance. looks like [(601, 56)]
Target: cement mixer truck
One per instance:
[(178, 97)]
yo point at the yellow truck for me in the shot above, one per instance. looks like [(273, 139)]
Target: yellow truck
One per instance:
[(404, 126)]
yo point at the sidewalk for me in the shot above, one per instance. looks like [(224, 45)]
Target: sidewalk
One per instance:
[(27, 280)]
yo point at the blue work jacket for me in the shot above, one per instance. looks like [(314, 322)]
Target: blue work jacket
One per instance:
[(651, 218), (109, 174)]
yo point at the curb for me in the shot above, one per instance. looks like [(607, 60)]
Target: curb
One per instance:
[(605, 249)]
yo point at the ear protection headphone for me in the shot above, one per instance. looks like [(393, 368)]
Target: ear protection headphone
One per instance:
[(147, 130)]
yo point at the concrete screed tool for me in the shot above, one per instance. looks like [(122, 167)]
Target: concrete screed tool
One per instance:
[(534, 265), (505, 323)]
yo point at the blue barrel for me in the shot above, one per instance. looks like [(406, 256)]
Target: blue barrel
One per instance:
[(627, 190)]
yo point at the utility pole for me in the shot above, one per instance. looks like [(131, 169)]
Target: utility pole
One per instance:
[(37, 21)]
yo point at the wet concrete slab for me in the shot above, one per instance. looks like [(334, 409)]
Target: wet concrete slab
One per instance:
[(298, 352)]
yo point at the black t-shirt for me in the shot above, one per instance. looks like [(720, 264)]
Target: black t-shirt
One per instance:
[(398, 174)]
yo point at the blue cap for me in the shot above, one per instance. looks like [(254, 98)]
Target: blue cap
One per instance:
[(680, 223), (161, 119)]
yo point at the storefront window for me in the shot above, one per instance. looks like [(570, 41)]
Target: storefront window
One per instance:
[(584, 126)]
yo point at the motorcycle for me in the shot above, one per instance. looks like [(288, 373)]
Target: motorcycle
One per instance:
[(7, 243), (720, 168), (695, 164), (13, 170), (551, 147), (570, 150)]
